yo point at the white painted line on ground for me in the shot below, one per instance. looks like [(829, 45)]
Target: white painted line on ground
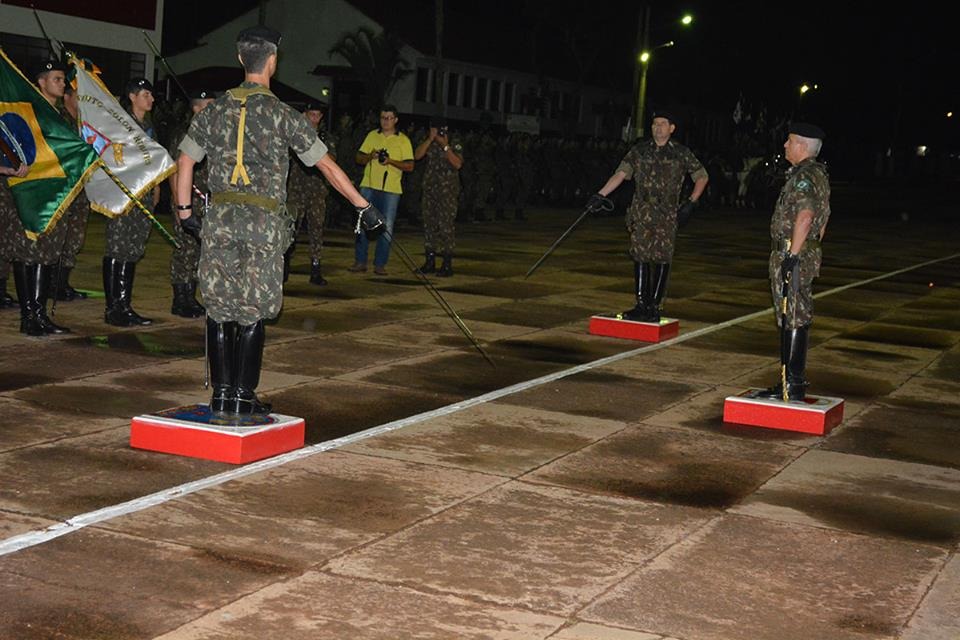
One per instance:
[(33, 538)]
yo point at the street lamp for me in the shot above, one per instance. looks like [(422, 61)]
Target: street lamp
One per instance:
[(642, 95), (643, 59)]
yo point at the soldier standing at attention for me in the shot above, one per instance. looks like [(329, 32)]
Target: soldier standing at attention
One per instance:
[(441, 194), (35, 261), (75, 219), (247, 133), (796, 230), (307, 193), (127, 234), (658, 166), (184, 261)]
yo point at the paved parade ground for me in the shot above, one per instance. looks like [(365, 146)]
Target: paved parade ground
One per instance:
[(584, 488)]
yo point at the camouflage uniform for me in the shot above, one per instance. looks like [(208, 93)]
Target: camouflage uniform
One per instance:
[(486, 170), (185, 260), (75, 218), (127, 235), (247, 228), (441, 194), (652, 216), (506, 179), (307, 194), (807, 187)]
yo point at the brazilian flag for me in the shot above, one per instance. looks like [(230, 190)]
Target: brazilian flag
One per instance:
[(59, 159)]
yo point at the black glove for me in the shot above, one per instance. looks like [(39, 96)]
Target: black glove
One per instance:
[(191, 226), (788, 265), (685, 212), (598, 202), (370, 219)]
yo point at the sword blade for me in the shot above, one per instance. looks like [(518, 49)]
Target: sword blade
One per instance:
[(556, 244)]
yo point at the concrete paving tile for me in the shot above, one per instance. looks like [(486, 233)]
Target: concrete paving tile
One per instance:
[(303, 513), (946, 367), (36, 361), (874, 496), (318, 606), (500, 439), (904, 335), (15, 524), (321, 357), (532, 313), (544, 548), (751, 579), (89, 397), (929, 389), (557, 346), (855, 354), (588, 631), (106, 586), (681, 362), (936, 618), (903, 432), (73, 476), (23, 424), (335, 408), (603, 395), (438, 331), (461, 373), (670, 465)]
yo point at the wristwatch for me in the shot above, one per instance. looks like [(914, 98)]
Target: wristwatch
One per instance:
[(446, 148)]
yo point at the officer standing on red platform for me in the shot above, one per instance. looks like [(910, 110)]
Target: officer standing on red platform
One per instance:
[(796, 231)]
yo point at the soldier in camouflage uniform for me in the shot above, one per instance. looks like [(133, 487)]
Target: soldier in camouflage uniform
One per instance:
[(74, 220), (307, 194), (185, 260), (796, 230), (9, 228), (441, 194), (35, 261), (127, 235), (247, 133), (658, 166), (486, 170)]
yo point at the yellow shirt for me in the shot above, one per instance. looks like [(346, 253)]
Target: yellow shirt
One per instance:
[(381, 176)]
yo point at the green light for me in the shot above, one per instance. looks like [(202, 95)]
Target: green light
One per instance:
[(645, 57), (804, 88), (325, 92), (687, 20)]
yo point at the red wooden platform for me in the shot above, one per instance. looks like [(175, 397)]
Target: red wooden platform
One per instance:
[(614, 327), (815, 414)]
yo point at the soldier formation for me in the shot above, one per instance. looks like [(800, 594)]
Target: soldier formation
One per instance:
[(238, 215)]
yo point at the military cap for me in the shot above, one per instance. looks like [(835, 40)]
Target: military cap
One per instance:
[(807, 130), (49, 65), (136, 85), (315, 105), (664, 114), (260, 32), (202, 94)]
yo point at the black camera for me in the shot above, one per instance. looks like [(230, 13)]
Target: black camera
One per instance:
[(442, 131), (382, 156)]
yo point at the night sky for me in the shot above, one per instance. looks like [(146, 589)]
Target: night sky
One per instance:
[(884, 74)]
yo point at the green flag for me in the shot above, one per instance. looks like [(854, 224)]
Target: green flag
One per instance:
[(59, 159)]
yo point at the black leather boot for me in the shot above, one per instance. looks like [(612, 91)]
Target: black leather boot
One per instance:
[(660, 277), (249, 359), (185, 302), (429, 263), (6, 300), (119, 294), (446, 269), (33, 282), (222, 352), (641, 284), (316, 274), (60, 285), (793, 355)]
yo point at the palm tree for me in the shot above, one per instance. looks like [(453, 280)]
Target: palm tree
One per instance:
[(377, 60)]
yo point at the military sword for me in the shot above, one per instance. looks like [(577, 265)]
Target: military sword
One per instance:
[(606, 206), (411, 264), (166, 65)]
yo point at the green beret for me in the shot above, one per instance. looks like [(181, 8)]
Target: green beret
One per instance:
[(807, 130)]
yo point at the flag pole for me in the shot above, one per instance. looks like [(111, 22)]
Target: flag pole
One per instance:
[(163, 231)]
